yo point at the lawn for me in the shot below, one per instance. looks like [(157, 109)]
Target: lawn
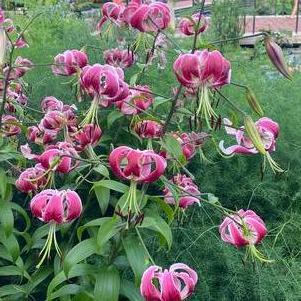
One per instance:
[(236, 181)]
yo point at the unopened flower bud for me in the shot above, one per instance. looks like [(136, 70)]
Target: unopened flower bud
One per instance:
[(276, 56), (253, 134), (253, 102)]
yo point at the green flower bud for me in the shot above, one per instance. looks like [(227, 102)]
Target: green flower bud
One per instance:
[(253, 134)]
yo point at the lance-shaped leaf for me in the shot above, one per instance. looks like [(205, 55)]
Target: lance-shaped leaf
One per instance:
[(78, 270), (79, 252), (158, 224), (107, 284), (136, 255), (130, 291)]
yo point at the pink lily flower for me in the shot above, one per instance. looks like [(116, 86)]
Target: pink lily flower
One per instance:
[(190, 142), (202, 68), (104, 82), (58, 119), (136, 165), (119, 58), (15, 94), (148, 129), (89, 135), (202, 71), (130, 10), (188, 25), (267, 128), (175, 284), (56, 206), (149, 17), (10, 126), (21, 42), (8, 25), (187, 191), (188, 146), (53, 120), (31, 179), (60, 157), (69, 62), (111, 11), (5, 23), (243, 228), (41, 136), (50, 103), (22, 65), (137, 101)]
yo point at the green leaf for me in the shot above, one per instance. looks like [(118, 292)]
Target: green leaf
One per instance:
[(4, 254), (40, 232), (113, 185), (6, 218), (159, 225), (103, 197), (113, 116), (159, 101), (8, 153), (22, 212), (173, 147), (83, 296), (11, 244), (136, 255), (38, 277), (3, 185), (107, 284), (12, 270), (68, 289), (212, 199), (101, 169), (133, 79), (130, 291), (94, 223), (107, 230), (79, 252), (166, 208), (12, 289), (185, 111), (79, 270)]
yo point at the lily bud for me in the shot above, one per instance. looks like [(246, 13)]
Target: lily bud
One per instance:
[(276, 56), (253, 134), (253, 102)]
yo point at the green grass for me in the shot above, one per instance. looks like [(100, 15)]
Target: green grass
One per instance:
[(236, 181)]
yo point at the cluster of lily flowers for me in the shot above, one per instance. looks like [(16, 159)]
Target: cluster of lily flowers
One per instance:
[(15, 94), (64, 138)]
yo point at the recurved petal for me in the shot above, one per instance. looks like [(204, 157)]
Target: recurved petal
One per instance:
[(236, 149), (236, 234), (38, 203), (74, 205), (115, 160), (147, 288), (170, 290), (269, 125), (159, 169), (54, 210)]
